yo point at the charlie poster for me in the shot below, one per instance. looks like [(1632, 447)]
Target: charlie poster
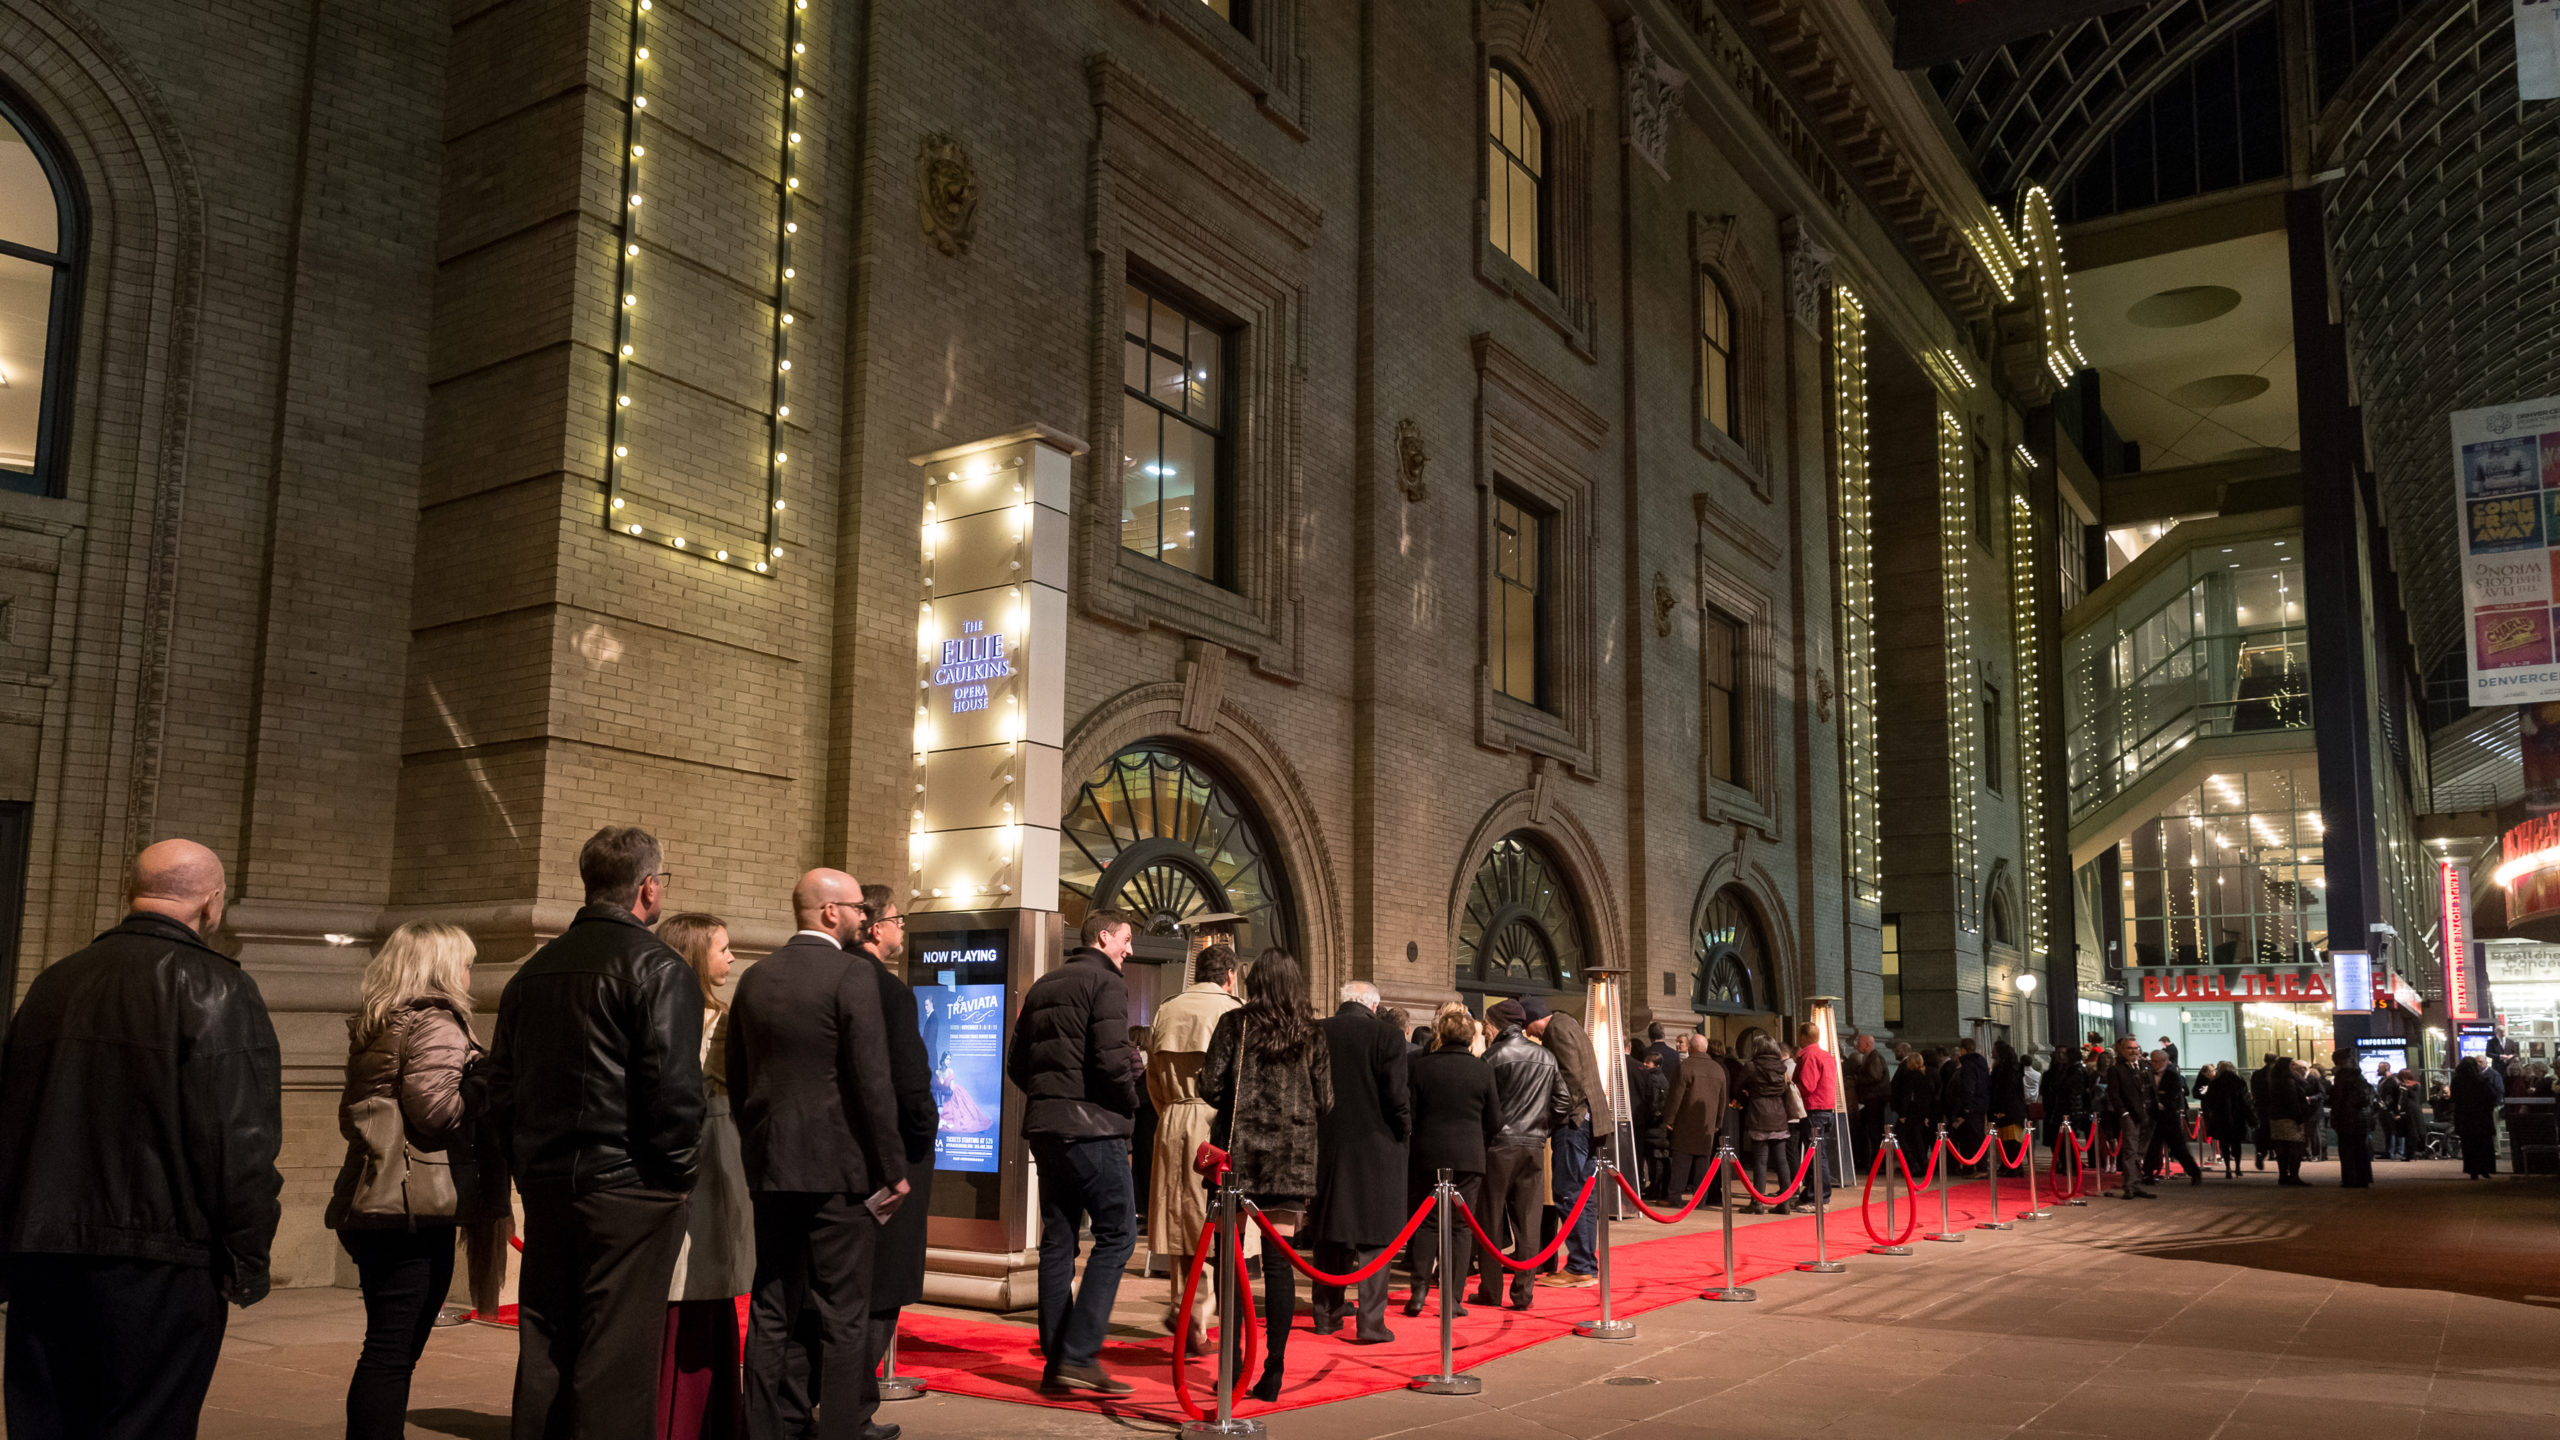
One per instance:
[(2506, 498)]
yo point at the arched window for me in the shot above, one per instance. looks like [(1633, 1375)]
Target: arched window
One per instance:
[(1520, 934), (40, 245), (1158, 834), (1719, 387), (1729, 955), (2002, 929), (1515, 172)]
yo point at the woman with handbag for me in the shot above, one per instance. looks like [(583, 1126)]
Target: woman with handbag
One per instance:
[(411, 1097), (698, 1395), (1768, 1106), (1269, 1076)]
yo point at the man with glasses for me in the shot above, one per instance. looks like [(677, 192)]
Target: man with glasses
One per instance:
[(897, 1275), (595, 1078)]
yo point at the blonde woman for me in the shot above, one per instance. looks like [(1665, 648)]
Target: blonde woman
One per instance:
[(698, 1378), (410, 1097)]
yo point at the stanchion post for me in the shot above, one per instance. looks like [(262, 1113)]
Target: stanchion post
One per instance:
[(1822, 1263), (1230, 1334), (1945, 1153), (1728, 1290), (1606, 1327), (1447, 1381), (2035, 1208), (894, 1386), (2079, 1167), (1892, 1163), (1995, 1222)]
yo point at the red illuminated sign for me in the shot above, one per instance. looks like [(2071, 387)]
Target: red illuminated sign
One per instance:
[(2459, 1000), (2301, 985)]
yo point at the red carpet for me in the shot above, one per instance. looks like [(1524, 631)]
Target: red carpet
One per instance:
[(996, 1360)]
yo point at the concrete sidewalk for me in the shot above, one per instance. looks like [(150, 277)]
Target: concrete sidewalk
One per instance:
[(2231, 1311)]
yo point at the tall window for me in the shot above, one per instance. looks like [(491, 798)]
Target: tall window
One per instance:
[(1991, 738), (1716, 378), (1173, 425), (1515, 621), (1893, 969), (1724, 697), (1515, 172), (39, 253)]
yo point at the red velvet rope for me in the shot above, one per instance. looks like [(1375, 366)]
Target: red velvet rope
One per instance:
[(1543, 1256), (1743, 1172), (1867, 1217), (1182, 1336), (1683, 1212), (1902, 1157), (1394, 1248), (2070, 1190), (2026, 1148), (1962, 1158)]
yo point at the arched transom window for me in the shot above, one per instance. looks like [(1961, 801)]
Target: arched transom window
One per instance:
[(1521, 933), (1156, 833), (39, 260), (1729, 954)]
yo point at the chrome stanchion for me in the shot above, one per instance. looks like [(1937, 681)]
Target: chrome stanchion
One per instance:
[(2035, 1208), (1995, 1222), (894, 1386), (1945, 1153), (1604, 1328), (1892, 1163), (2079, 1167), (1447, 1381), (1822, 1263), (1230, 1335), (1728, 1290)]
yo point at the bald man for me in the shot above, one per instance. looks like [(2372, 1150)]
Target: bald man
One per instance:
[(141, 1108), (595, 1078), (818, 1128)]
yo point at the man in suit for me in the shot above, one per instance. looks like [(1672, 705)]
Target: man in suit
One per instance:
[(1078, 1074), (141, 1110), (1695, 1109), (1360, 1159), (595, 1078), (809, 1070), (2130, 1096), (897, 1276)]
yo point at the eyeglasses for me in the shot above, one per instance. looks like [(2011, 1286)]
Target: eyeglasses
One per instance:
[(897, 920), (666, 879)]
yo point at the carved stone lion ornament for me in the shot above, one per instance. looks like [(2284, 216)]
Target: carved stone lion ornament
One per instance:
[(946, 194), (1410, 460)]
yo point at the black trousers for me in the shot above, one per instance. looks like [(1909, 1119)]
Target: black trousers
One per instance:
[(1422, 1256), (102, 1348), (2355, 1158), (1687, 1171), (1371, 1294), (1511, 1217), (2168, 1143), (405, 1275), (1866, 1132), (814, 1252), (591, 1311)]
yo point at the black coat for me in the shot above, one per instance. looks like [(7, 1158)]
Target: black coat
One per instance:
[(142, 1107), (1647, 1089), (1360, 1147), (897, 1271), (595, 1072), (2009, 1093), (1970, 1090), (2065, 1091), (2227, 1113), (809, 1073), (1071, 1055), (1915, 1097), (1455, 1114)]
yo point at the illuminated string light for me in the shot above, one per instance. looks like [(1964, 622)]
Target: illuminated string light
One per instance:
[(1857, 592), (626, 513), (1964, 753), (2024, 617), (2043, 244)]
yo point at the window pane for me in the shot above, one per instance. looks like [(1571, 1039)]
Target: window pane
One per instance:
[(1720, 735), (1520, 644), (1133, 313), (1524, 220), (1190, 499), (1717, 382), (1532, 144), (1208, 387), (1506, 111), (1139, 469), (28, 215), (1531, 552), (26, 304), (1133, 365)]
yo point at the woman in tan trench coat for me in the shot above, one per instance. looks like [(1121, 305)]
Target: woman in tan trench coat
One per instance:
[(1177, 1203)]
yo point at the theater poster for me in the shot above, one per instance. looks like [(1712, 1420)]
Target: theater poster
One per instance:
[(963, 1029), (2506, 481)]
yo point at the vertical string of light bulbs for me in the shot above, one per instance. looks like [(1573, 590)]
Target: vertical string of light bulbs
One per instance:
[(627, 273), (785, 271), (1857, 590), (2025, 615), (1955, 532)]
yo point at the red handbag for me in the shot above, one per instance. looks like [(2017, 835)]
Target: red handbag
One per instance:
[(1209, 1160)]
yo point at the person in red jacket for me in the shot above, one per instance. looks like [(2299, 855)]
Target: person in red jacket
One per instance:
[(1818, 1081)]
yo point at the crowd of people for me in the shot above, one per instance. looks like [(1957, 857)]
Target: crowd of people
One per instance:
[(674, 1151)]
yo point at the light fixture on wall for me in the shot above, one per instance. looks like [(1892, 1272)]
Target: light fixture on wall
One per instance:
[(2026, 982)]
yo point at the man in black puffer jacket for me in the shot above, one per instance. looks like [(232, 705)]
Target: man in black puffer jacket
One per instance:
[(141, 1109), (595, 1078), (1073, 1062)]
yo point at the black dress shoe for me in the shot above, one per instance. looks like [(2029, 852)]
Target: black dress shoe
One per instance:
[(1327, 1327), (1380, 1336), (1083, 1377), (879, 1432), (1268, 1387), (1413, 1307)]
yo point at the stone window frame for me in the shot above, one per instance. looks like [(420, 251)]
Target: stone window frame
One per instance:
[(1716, 252), (1263, 55), (1176, 208), (1753, 801), (1539, 442), (1518, 37)]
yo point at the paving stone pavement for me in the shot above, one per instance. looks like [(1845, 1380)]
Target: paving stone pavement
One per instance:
[(2426, 1307)]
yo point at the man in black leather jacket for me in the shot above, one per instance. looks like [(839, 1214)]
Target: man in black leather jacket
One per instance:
[(595, 1078), (119, 1255), (1531, 1100)]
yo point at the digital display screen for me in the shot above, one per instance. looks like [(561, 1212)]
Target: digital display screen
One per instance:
[(2375, 1051), (959, 980)]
